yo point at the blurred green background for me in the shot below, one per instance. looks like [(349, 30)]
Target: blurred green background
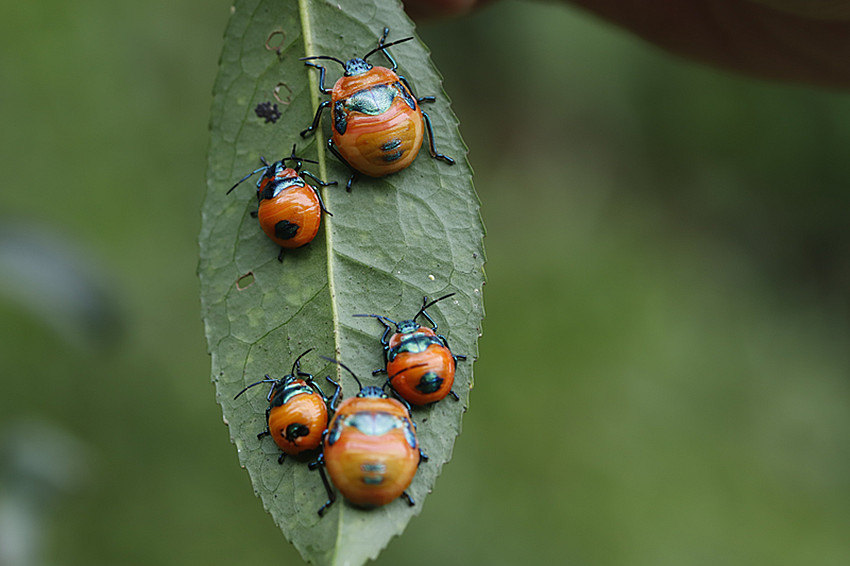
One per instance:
[(664, 374)]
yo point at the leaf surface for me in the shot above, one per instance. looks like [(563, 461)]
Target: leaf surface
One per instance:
[(389, 242)]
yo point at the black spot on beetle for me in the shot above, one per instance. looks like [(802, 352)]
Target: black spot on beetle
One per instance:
[(394, 156), (429, 383), (296, 430), (285, 230)]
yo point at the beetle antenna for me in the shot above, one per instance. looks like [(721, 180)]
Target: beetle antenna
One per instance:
[(293, 157), (327, 57), (431, 304), (345, 367), (269, 380), (385, 45), (379, 317), (249, 175), (299, 160), (298, 359)]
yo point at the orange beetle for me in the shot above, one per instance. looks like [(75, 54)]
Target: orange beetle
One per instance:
[(378, 124), (370, 449), (418, 360), (290, 210), (298, 410)]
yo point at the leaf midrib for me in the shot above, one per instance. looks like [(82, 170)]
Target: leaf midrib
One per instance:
[(309, 50)]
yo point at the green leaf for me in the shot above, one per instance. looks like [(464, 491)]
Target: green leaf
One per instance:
[(389, 242)]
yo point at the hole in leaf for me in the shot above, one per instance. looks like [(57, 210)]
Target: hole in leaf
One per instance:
[(274, 42), (288, 98), (245, 281)]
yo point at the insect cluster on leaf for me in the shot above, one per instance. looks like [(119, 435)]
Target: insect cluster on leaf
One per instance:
[(366, 445)]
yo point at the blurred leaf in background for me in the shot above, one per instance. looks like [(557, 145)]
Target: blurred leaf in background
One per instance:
[(57, 283), (664, 374)]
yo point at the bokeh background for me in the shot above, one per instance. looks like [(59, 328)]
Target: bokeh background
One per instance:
[(664, 375)]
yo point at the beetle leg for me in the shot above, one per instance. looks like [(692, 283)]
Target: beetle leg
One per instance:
[(334, 401), (298, 371), (311, 381), (425, 313), (266, 432), (316, 119), (319, 181), (318, 194), (431, 145), (420, 99), (281, 458), (384, 338), (432, 148), (445, 343), (385, 52), (407, 84), (321, 77), (280, 255), (408, 498), (269, 396), (350, 182), (385, 342), (401, 400), (457, 357), (339, 156), (319, 465)]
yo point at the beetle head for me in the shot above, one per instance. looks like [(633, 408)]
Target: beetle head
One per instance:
[(279, 384), (272, 170), (408, 326), (356, 66), (372, 391)]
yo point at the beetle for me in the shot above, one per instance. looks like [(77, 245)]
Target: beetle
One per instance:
[(419, 361), (290, 210), (297, 415), (370, 449), (378, 123)]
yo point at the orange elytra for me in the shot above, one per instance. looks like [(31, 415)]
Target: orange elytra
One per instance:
[(378, 123), (297, 415), (370, 450), (290, 210), (419, 361)]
